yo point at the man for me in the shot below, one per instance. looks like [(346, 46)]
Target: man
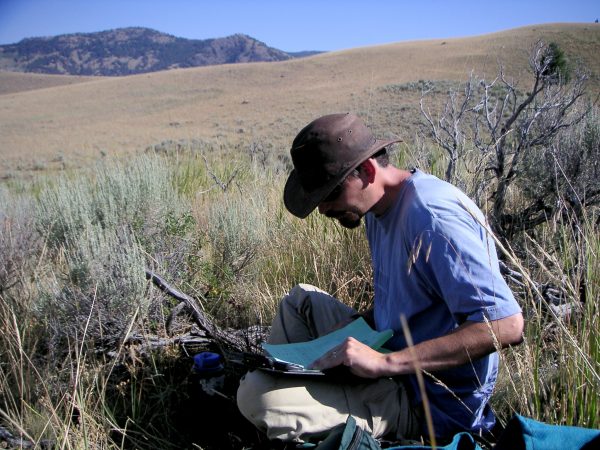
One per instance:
[(435, 268)]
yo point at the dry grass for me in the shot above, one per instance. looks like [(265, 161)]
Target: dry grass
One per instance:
[(69, 125), (239, 255), (13, 82)]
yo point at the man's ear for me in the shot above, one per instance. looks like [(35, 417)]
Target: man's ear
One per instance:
[(367, 169)]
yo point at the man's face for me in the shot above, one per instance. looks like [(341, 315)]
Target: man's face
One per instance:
[(344, 204)]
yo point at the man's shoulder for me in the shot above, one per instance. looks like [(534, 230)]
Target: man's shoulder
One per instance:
[(434, 204), (431, 189), (424, 203)]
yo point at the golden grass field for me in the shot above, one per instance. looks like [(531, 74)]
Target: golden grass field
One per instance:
[(49, 121)]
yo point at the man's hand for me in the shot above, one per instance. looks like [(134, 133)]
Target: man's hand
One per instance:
[(468, 342), (361, 359)]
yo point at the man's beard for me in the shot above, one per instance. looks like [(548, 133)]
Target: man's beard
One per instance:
[(348, 219)]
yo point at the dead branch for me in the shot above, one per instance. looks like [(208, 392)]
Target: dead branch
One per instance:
[(222, 338), (447, 129), (513, 136), (224, 185)]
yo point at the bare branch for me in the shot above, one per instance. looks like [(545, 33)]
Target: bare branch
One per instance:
[(224, 185), (221, 337), (512, 132)]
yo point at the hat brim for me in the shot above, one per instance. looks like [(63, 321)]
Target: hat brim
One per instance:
[(301, 203)]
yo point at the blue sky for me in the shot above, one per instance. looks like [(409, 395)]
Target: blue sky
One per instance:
[(290, 25)]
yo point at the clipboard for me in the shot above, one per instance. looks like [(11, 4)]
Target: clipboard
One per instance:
[(291, 359), (305, 353), (257, 361)]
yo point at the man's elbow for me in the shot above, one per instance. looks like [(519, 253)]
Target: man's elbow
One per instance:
[(512, 330)]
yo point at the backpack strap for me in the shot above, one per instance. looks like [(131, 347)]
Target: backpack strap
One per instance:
[(349, 436)]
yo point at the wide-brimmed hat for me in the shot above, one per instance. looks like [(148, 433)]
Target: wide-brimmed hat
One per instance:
[(324, 153)]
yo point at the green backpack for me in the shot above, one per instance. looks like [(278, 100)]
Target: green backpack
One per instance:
[(349, 436)]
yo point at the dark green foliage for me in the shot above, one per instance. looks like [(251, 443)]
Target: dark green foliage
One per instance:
[(556, 66)]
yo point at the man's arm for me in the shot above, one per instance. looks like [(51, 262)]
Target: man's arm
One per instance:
[(470, 341)]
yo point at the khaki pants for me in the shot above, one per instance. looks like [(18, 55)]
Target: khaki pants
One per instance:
[(293, 408)]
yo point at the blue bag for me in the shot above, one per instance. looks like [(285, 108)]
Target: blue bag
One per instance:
[(527, 434), (520, 434)]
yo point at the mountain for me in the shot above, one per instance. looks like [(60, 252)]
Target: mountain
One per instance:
[(128, 51)]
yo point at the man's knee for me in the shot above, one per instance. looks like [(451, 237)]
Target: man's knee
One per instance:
[(290, 408), (300, 294), (252, 388), (265, 401)]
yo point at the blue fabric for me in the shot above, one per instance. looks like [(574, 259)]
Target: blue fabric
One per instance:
[(460, 441), (434, 263), (522, 433)]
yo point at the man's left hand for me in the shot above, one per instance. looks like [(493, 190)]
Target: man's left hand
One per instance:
[(361, 359)]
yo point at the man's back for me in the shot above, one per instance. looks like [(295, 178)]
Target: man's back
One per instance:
[(435, 263)]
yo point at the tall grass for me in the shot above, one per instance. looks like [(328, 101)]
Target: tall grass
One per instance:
[(72, 289), (72, 284), (555, 375)]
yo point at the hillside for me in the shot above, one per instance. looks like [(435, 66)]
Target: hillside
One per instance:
[(11, 82), (70, 125), (127, 51)]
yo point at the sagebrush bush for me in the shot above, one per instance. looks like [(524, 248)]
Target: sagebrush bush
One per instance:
[(101, 289), (564, 176), (236, 229), (19, 245), (104, 228), (139, 195)]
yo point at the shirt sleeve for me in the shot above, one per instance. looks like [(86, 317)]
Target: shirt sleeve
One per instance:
[(458, 259)]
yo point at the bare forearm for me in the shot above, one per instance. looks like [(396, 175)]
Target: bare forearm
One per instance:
[(469, 342), (437, 354)]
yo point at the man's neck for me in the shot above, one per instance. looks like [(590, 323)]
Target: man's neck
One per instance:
[(392, 179)]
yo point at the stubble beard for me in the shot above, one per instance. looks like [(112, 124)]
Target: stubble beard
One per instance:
[(348, 219)]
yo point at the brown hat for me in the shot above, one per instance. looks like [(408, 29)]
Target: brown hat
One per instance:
[(324, 153)]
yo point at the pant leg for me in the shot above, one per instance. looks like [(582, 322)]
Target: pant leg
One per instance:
[(305, 314), (293, 408)]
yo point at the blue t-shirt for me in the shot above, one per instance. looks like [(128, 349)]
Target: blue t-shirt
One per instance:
[(434, 263)]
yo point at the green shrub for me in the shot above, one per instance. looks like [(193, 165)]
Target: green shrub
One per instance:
[(101, 289), (104, 228), (139, 195)]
